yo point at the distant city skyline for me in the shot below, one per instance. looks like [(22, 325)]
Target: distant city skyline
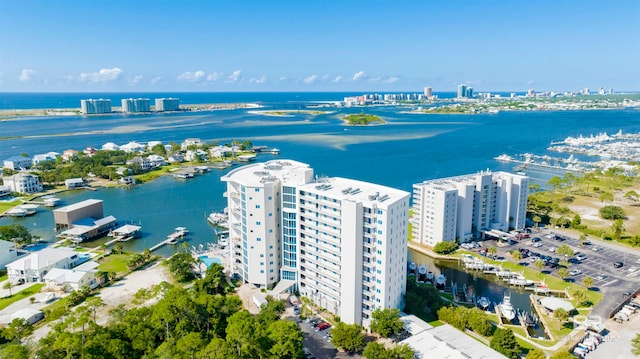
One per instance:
[(202, 46)]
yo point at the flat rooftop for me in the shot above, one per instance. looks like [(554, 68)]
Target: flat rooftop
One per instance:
[(354, 190), (76, 206), (258, 173)]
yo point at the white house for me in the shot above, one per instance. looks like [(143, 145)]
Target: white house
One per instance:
[(191, 141), (156, 160), (175, 158), (141, 162), (73, 279), (132, 147), (17, 163), (49, 156), (110, 146), (220, 151), (73, 183), (7, 253), (33, 267), (23, 183)]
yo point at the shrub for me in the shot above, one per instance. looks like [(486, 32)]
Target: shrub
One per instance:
[(612, 212), (445, 247)]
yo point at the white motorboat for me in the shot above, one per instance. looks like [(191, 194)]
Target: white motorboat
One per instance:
[(484, 302), (507, 309), (441, 280)]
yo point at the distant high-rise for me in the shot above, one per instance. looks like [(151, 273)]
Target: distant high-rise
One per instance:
[(469, 92), (585, 91), (462, 91), (135, 105), (95, 106), (428, 92), (167, 104), (531, 93)]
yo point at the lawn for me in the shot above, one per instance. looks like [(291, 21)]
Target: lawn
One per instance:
[(26, 293), (5, 206), (114, 263)]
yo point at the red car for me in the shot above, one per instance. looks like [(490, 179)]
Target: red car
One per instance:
[(323, 326)]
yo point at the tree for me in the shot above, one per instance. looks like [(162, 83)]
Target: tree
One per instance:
[(93, 304), (347, 337), (18, 329), (579, 295), (612, 212), (561, 314), (606, 197), (16, 233), (118, 248), (555, 182), (492, 250), (516, 255), (8, 285), (536, 354), (386, 322), (180, 266), (286, 339), (445, 247), (635, 345), (539, 264), (159, 150), (617, 227), (536, 219), (576, 221), (563, 273), (241, 334), (375, 350), (632, 195), (402, 351), (587, 282), (565, 250), (504, 342), (14, 351)]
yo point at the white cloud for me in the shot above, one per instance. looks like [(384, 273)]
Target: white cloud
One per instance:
[(234, 77), (136, 79), (214, 76), (358, 75), (310, 79), (192, 76), (156, 80), (337, 79), (103, 75), (26, 74), (260, 80), (283, 78), (391, 79)]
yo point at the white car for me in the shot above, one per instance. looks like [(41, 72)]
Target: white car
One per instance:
[(537, 245), (552, 249), (575, 272)]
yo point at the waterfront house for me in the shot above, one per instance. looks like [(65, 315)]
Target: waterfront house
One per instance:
[(73, 183), (23, 183), (73, 279), (83, 220), (17, 163), (33, 267), (191, 142), (175, 158), (8, 253), (133, 147), (5, 191), (156, 161), (110, 146), (49, 156), (127, 180), (90, 151), (69, 155), (220, 151), (142, 163)]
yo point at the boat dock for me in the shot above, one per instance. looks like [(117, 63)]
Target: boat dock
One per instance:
[(172, 238)]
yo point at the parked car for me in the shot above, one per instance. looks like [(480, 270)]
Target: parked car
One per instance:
[(537, 245), (596, 248), (535, 239), (618, 264), (581, 256), (552, 249), (296, 310), (323, 326), (575, 272)]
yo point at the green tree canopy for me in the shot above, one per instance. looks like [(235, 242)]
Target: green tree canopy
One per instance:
[(445, 247), (347, 337), (386, 322), (612, 212), (536, 354), (561, 314), (504, 342)]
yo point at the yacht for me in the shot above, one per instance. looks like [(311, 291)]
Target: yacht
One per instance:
[(430, 277), (412, 268), (441, 280), (422, 273), (507, 309), (484, 302)]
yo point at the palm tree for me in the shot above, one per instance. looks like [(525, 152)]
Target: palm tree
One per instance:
[(587, 282), (516, 255), (8, 285), (493, 250), (563, 273)]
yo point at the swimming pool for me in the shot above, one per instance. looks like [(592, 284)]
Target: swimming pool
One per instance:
[(208, 261)]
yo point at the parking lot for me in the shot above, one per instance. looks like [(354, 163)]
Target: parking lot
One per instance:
[(597, 264), (317, 342)]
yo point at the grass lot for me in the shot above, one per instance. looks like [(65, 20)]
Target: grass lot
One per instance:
[(436, 323), (26, 293), (3, 277), (5, 206), (114, 263)]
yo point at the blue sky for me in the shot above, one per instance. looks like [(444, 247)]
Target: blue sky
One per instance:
[(304, 45)]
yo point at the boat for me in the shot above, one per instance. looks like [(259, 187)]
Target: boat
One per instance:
[(422, 273), (504, 158), (484, 302), (178, 233), (219, 219), (412, 268), (441, 280), (22, 210), (507, 309)]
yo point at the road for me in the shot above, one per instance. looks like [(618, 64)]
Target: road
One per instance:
[(612, 282)]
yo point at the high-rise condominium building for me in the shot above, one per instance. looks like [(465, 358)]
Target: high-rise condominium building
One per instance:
[(167, 104), (95, 106), (133, 105), (460, 208), (428, 92), (462, 91), (341, 242)]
